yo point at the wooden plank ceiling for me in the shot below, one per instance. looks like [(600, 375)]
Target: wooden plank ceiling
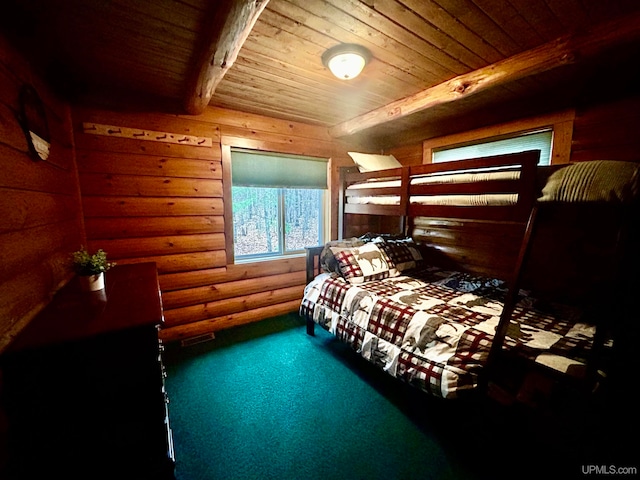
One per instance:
[(133, 50)]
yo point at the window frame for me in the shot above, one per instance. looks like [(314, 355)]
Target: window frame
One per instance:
[(226, 146), (283, 253), (561, 124)]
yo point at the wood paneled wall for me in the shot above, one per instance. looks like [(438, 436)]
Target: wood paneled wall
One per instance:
[(146, 200), (408, 154), (152, 201), (40, 215), (607, 131)]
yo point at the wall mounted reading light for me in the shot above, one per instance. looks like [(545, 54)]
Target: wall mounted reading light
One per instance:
[(346, 60)]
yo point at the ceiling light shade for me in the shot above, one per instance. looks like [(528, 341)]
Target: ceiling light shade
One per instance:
[(346, 61)]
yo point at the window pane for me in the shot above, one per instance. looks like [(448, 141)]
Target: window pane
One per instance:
[(303, 218), (255, 221), (530, 141)]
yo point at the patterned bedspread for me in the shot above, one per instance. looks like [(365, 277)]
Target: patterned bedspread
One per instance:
[(434, 329)]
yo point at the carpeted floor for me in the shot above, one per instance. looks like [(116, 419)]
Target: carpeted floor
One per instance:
[(266, 401)]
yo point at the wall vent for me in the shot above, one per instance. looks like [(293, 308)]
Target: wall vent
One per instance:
[(205, 337)]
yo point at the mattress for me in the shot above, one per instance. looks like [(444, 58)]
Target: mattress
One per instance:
[(437, 179), (449, 200), (434, 328), (441, 178)]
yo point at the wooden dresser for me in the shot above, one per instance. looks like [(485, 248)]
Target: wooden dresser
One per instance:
[(83, 385)]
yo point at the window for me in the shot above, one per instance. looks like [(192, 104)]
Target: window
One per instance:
[(550, 133), (537, 140), (278, 203)]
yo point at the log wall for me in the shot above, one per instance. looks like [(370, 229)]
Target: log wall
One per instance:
[(153, 201), (607, 131), (147, 200), (40, 215), (408, 154)]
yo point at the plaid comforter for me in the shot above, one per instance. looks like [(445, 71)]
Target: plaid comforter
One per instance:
[(434, 329)]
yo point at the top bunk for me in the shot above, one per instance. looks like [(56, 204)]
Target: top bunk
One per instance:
[(469, 215), (493, 188)]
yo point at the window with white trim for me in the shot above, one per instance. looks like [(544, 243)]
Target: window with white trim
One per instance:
[(278, 203)]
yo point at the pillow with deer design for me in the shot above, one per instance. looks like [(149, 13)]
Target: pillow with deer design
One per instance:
[(327, 257), (404, 253), (364, 263)]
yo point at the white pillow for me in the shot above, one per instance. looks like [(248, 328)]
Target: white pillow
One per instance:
[(369, 162)]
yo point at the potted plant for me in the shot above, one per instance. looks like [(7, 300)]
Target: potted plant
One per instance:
[(90, 268)]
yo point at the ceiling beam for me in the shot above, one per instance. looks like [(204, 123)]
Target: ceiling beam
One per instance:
[(563, 51), (230, 25)]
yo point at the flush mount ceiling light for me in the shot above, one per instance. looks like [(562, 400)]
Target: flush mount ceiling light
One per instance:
[(346, 60)]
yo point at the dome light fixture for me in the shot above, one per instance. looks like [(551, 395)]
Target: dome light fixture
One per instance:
[(346, 60)]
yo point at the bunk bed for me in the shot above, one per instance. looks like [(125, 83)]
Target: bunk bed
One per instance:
[(441, 304)]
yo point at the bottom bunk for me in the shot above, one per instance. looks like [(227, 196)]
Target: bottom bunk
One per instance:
[(434, 328)]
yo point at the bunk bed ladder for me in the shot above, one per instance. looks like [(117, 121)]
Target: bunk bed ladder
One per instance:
[(510, 301)]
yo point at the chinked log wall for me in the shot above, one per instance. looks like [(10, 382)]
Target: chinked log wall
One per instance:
[(162, 202)]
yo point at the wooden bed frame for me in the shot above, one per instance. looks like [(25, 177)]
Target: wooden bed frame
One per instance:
[(493, 241), (486, 240)]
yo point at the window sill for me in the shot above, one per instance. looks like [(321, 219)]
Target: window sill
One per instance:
[(244, 261)]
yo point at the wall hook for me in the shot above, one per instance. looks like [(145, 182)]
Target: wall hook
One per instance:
[(144, 135)]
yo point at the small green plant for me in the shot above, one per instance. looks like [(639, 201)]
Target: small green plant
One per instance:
[(86, 264)]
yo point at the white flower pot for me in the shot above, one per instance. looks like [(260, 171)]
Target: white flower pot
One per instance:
[(92, 283)]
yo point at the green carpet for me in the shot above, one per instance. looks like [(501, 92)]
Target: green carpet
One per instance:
[(266, 401)]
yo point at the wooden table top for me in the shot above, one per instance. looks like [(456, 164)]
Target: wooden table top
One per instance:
[(131, 298)]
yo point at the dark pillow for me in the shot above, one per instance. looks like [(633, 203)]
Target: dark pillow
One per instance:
[(328, 261), (370, 236), (404, 253)]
